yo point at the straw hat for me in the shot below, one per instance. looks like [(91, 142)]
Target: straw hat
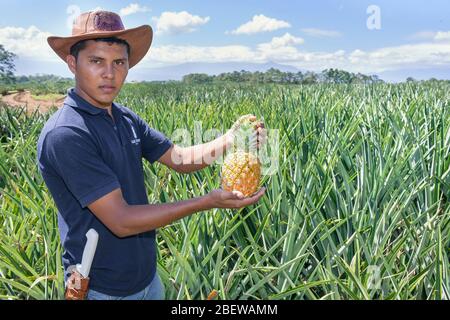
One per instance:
[(103, 24)]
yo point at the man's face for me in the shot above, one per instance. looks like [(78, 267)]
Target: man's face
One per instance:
[(100, 71)]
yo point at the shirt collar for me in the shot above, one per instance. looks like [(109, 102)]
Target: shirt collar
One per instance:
[(74, 100)]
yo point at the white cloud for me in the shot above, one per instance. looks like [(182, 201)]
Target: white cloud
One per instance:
[(172, 54), (399, 57), (321, 33), (280, 48), (286, 40), (422, 35), (261, 23), (133, 8), (27, 43), (380, 60), (442, 35), (431, 35), (178, 22)]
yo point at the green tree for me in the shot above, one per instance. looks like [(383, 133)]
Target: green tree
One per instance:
[(197, 78), (7, 67), (310, 78)]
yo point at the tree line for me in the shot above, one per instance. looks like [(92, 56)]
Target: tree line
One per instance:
[(276, 76)]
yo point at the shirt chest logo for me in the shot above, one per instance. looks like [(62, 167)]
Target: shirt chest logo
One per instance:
[(135, 141)]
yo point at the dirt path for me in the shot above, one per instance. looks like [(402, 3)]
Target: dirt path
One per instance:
[(22, 99)]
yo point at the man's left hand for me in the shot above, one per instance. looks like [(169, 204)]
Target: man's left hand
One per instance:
[(257, 138)]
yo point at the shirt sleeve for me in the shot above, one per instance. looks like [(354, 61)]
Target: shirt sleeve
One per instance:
[(154, 143), (75, 158)]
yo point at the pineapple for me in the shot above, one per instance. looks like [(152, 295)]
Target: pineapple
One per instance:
[(241, 169)]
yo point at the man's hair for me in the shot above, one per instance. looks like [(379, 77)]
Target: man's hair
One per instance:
[(80, 45)]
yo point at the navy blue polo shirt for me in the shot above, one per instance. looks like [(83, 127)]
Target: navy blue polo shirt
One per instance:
[(83, 154)]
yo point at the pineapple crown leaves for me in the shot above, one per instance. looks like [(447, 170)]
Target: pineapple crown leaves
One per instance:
[(244, 133)]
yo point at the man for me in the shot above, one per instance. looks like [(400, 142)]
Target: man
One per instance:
[(90, 156)]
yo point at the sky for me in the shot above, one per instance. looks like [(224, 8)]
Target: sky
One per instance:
[(393, 39)]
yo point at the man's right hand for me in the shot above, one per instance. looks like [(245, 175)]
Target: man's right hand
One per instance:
[(126, 220), (233, 199)]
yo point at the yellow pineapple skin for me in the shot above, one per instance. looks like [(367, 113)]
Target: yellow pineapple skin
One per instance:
[(241, 171)]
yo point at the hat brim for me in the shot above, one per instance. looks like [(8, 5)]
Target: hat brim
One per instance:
[(139, 39)]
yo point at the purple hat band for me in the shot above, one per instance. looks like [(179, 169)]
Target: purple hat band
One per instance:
[(107, 21)]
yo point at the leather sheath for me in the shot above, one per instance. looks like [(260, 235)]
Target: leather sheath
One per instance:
[(76, 287)]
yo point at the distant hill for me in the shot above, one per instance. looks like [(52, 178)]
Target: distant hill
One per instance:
[(417, 73)]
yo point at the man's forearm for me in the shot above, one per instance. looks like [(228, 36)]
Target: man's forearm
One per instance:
[(200, 156), (137, 219)]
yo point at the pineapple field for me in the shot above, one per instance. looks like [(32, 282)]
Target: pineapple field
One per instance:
[(356, 203)]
